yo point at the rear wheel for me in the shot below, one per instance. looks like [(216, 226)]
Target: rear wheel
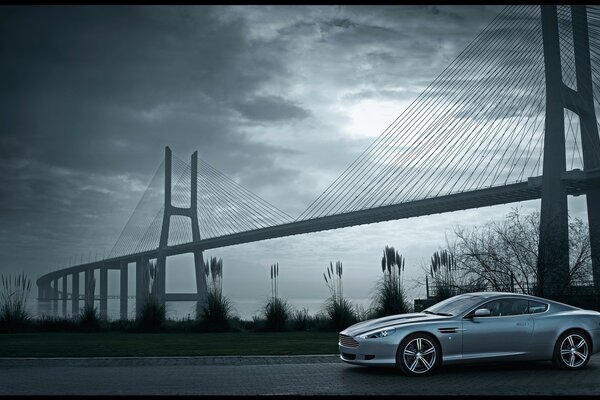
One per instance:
[(418, 355), (572, 351)]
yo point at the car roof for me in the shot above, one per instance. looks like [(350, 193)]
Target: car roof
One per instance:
[(496, 294), (493, 295)]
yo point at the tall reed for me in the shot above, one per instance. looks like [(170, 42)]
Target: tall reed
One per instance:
[(339, 310), (390, 297), (215, 314), (89, 319), (442, 269), (153, 312), (13, 301), (277, 311)]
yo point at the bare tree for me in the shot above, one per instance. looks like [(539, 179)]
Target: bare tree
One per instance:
[(504, 254)]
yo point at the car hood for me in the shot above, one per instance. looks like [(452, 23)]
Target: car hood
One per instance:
[(393, 320)]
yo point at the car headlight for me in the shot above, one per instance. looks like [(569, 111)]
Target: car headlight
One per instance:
[(378, 334)]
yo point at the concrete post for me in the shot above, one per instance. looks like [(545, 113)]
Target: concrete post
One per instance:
[(123, 292), (75, 294), (103, 292)]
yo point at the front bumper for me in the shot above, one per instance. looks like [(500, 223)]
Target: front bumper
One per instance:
[(373, 352)]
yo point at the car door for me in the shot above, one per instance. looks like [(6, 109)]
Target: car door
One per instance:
[(506, 332)]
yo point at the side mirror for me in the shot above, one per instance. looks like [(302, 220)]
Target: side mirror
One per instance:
[(482, 312)]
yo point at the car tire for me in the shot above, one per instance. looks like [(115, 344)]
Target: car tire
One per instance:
[(572, 350), (418, 354)]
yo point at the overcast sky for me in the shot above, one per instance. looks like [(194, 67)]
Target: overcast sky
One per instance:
[(281, 99)]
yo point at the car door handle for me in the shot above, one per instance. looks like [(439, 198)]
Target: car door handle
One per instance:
[(521, 323)]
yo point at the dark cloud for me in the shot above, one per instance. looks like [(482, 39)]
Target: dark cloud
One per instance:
[(271, 108), (90, 97)]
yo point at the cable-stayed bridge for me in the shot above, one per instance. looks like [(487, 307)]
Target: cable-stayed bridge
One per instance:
[(512, 118)]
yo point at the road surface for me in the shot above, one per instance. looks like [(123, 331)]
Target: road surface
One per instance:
[(297, 375)]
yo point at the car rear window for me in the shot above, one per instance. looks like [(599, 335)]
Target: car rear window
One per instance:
[(537, 307)]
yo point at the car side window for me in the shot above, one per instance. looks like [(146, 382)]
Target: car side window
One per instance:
[(516, 307), (494, 307), (506, 307), (537, 307)]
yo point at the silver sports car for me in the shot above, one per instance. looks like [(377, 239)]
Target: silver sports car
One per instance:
[(481, 326)]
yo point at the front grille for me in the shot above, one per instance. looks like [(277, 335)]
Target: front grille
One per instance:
[(348, 341)]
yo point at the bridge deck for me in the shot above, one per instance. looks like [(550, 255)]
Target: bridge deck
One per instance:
[(576, 183)]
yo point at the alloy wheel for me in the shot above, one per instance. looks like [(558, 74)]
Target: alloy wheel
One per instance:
[(419, 355), (574, 350)]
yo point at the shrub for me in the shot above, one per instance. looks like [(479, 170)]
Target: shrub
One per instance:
[(339, 310), (89, 319), (277, 312), (340, 313), (389, 297), (443, 269), (301, 321), (152, 315), (55, 324), (363, 313), (13, 302), (214, 315)]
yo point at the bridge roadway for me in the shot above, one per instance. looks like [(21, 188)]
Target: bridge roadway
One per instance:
[(576, 183)]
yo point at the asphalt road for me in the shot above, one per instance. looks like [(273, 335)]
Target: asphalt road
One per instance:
[(299, 375)]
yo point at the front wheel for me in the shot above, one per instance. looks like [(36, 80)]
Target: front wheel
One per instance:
[(572, 351), (418, 355)]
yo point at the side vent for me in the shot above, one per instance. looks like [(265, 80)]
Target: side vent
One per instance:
[(447, 330)]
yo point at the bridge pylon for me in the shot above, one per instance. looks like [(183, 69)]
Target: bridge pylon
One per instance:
[(192, 213), (553, 257)]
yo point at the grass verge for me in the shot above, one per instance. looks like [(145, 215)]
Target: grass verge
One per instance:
[(117, 344)]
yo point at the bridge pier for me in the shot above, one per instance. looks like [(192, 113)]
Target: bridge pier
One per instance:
[(103, 292), (192, 213), (123, 292), (201, 288), (88, 291), (593, 209), (141, 289), (590, 142), (75, 294), (55, 291), (64, 289), (65, 295), (47, 291), (553, 257)]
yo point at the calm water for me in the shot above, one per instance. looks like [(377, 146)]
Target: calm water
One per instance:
[(244, 308)]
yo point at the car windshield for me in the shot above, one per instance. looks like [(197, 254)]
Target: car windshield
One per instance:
[(454, 305)]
